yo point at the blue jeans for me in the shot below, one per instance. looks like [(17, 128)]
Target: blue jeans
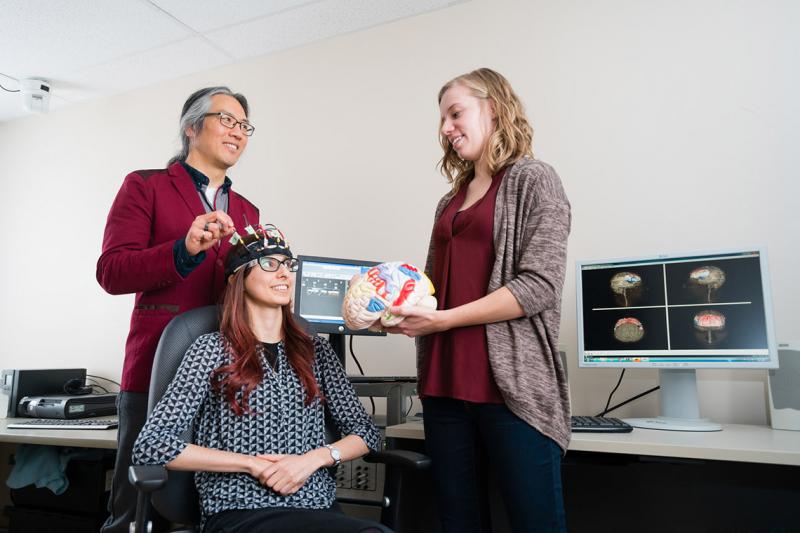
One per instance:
[(466, 439)]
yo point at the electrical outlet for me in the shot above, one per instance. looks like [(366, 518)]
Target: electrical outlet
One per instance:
[(343, 476), (364, 476), (359, 480)]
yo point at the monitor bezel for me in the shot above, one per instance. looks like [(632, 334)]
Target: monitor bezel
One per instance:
[(690, 255), (328, 327)]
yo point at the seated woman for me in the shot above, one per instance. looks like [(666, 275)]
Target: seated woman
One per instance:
[(255, 393)]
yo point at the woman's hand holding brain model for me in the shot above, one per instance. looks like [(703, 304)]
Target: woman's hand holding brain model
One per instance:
[(369, 297)]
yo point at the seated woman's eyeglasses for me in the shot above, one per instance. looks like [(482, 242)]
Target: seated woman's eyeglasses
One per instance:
[(230, 122), (272, 264)]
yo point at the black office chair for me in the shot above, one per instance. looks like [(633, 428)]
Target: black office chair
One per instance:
[(173, 494)]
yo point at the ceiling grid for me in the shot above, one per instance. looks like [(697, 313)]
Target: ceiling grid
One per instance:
[(87, 49)]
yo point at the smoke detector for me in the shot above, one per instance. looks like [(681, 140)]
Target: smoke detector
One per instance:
[(36, 95)]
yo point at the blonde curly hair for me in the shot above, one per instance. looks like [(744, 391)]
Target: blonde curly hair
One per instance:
[(512, 138)]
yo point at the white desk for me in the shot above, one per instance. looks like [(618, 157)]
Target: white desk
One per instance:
[(750, 444), (86, 438)]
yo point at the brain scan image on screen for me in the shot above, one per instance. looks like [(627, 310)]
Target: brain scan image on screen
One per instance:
[(709, 326), (706, 280), (627, 288), (628, 330)]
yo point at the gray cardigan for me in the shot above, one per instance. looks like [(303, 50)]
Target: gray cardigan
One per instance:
[(531, 226)]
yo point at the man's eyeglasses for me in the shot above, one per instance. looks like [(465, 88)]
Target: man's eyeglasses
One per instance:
[(230, 122), (272, 264)]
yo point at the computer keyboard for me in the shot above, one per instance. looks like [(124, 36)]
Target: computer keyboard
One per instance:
[(60, 423), (599, 424), (382, 379)]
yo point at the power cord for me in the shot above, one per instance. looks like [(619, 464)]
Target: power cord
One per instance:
[(8, 90), (94, 384), (76, 387), (104, 379), (410, 405), (608, 409), (353, 355), (608, 402), (629, 400)]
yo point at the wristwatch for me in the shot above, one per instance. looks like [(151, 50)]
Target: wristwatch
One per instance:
[(335, 454)]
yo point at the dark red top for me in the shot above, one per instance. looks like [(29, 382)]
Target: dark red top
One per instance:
[(457, 362), (153, 209)]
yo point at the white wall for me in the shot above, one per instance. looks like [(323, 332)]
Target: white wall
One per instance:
[(671, 124)]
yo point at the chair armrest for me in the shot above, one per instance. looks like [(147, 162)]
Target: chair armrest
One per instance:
[(147, 478), (404, 458)]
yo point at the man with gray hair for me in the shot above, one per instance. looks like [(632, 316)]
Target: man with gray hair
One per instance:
[(165, 240)]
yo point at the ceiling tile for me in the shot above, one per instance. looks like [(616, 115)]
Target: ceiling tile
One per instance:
[(213, 14), (92, 48), (146, 68), (314, 22), (52, 38)]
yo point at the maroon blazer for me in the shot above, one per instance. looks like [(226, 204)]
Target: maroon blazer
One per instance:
[(152, 210)]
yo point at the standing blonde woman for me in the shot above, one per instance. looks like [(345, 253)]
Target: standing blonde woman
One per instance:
[(493, 387)]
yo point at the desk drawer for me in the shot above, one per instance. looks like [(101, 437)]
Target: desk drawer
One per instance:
[(27, 520)]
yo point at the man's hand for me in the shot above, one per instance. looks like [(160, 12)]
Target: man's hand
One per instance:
[(288, 473), (207, 230)]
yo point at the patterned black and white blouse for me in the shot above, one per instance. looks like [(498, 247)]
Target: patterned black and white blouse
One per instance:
[(280, 423)]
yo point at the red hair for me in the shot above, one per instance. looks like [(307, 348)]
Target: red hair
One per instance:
[(244, 372)]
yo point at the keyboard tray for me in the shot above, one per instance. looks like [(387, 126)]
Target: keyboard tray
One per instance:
[(60, 423)]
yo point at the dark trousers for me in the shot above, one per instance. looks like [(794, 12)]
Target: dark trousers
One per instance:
[(464, 440), (288, 520), (132, 411)]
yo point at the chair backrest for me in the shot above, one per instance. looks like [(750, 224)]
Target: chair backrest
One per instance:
[(178, 501)]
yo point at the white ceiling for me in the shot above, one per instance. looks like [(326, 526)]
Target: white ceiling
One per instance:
[(91, 48)]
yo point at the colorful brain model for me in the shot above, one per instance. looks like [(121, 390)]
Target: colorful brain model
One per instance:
[(368, 299)]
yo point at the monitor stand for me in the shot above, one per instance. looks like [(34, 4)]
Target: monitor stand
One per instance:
[(339, 345), (680, 410), (394, 390)]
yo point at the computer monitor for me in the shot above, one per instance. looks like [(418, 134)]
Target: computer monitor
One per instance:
[(676, 313), (319, 293)]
